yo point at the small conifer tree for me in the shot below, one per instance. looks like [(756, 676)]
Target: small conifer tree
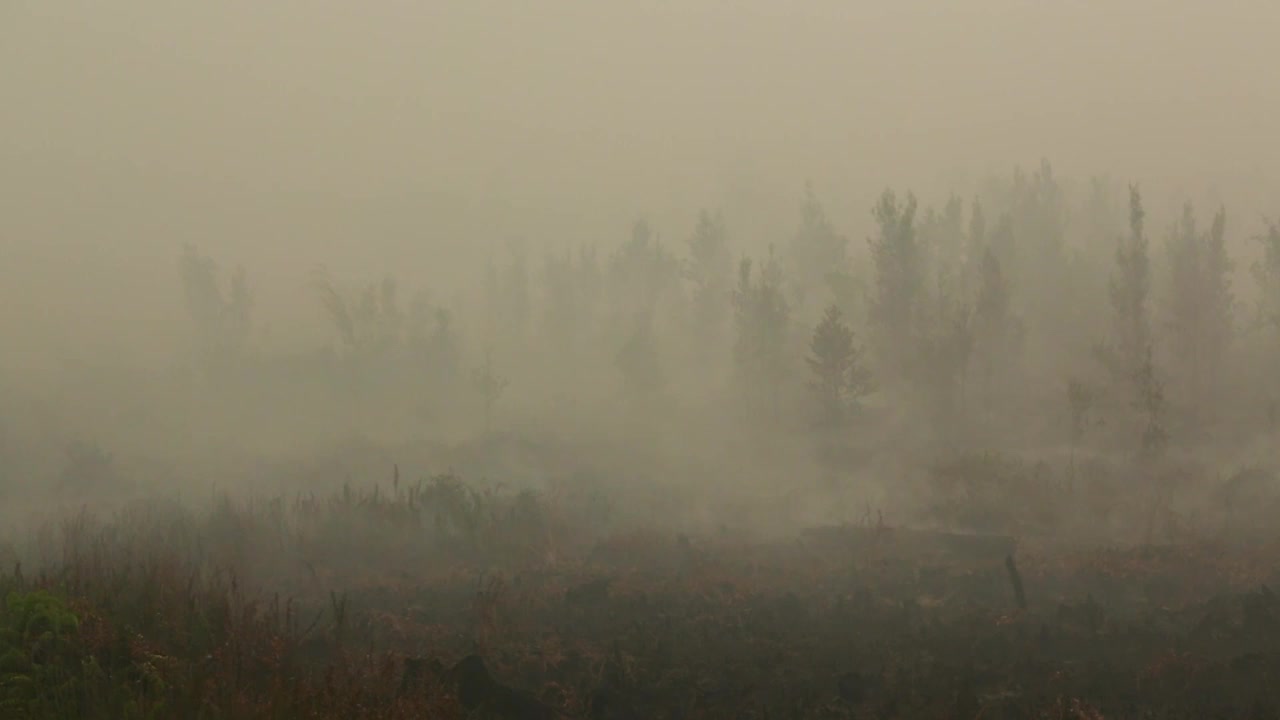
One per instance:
[(839, 377)]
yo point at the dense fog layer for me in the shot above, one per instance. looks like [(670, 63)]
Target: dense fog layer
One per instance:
[(727, 262)]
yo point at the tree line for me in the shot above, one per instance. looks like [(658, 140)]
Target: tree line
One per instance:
[(1027, 299)]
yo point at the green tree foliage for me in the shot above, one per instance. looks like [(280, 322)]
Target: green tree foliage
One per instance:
[(40, 674), (762, 318), (222, 320), (839, 376)]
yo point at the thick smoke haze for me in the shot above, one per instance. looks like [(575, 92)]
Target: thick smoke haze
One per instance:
[(511, 168), (687, 359), (413, 136)]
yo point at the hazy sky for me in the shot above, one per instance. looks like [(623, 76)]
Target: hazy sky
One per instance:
[(395, 136)]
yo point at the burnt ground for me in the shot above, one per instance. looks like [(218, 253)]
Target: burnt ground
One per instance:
[(374, 605), (863, 623)]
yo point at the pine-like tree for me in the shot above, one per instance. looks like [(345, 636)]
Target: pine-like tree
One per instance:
[(899, 275), (1200, 305), (976, 247), (818, 251), (1032, 244), (762, 317), (1266, 271), (1130, 288), (840, 378), (1131, 357), (641, 274)]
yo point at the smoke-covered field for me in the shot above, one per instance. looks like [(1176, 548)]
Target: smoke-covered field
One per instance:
[(716, 361)]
